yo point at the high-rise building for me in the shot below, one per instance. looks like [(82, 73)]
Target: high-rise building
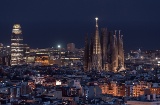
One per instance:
[(105, 53), (71, 47), (17, 46)]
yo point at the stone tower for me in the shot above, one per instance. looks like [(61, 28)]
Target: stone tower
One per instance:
[(97, 53), (120, 52), (86, 54)]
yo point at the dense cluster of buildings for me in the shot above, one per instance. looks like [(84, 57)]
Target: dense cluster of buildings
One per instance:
[(99, 74), (19, 53), (53, 85), (142, 59)]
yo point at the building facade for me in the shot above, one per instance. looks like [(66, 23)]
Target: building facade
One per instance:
[(17, 46)]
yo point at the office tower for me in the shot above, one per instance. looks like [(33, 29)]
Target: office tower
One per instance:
[(97, 53), (26, 52), (71, 47), (17, 46)]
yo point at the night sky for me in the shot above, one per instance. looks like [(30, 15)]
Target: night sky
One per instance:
[(46, 23)]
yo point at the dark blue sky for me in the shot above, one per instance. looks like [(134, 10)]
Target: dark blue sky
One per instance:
[(46, 23)]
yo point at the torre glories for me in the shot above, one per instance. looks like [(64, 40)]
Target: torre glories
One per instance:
[(17, 46)]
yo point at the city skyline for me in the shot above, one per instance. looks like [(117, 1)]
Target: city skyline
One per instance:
[(62, 22), (79, 52)]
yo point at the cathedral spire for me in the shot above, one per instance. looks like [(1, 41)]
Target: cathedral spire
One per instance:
[(119, 34), (96, 22), (97, 53), (115, 32)]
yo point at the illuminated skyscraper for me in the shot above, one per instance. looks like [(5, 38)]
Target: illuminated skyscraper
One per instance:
[(17, 46)]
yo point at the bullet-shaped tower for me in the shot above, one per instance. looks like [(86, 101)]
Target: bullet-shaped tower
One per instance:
[(17, 46)]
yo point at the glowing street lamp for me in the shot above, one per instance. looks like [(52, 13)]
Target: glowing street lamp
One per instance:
[(59, 46)]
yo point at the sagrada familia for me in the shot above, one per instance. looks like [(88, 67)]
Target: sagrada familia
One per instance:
[(104, 51)]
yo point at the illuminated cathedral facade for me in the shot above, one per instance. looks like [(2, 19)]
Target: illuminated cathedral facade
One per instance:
[(104, 51)]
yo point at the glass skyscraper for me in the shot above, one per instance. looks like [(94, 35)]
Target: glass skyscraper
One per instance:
[(17, 46)]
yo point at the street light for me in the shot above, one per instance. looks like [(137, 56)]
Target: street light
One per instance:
[(59, 46)]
